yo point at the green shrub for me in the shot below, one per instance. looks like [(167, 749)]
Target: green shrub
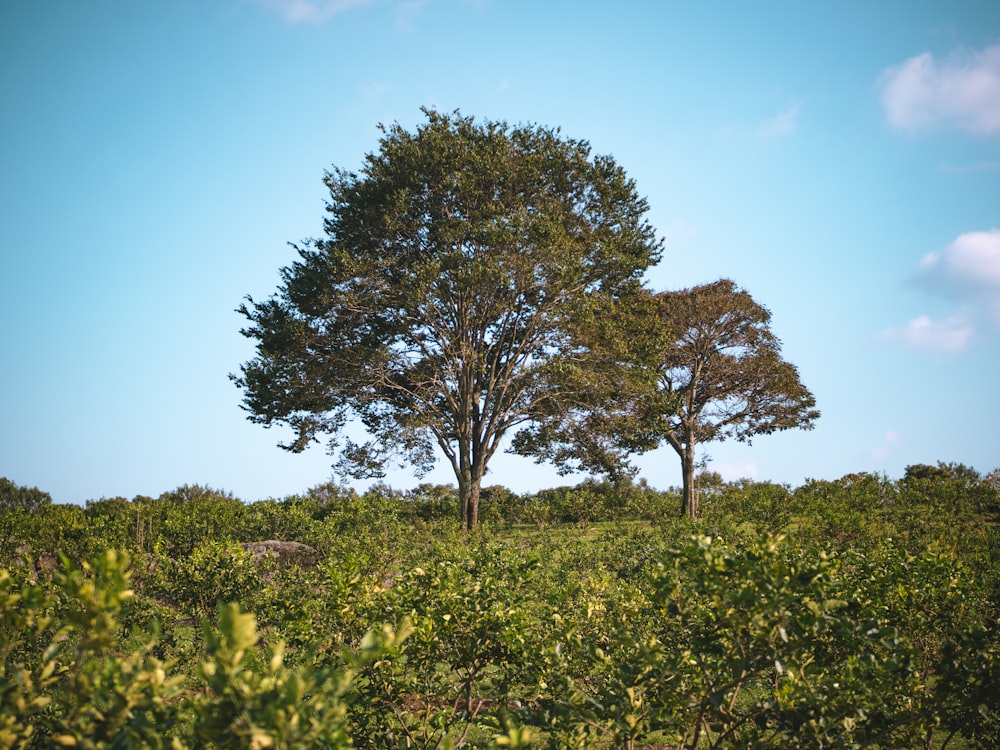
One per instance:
[(79, 691), (216, 572)]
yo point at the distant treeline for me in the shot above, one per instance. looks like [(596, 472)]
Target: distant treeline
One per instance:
[(177, 520)]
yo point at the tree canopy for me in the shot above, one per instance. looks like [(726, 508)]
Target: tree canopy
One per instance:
[(447, 301)]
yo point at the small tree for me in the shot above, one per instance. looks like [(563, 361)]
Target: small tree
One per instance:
[(30, 499), (444, 305), (724, 366)]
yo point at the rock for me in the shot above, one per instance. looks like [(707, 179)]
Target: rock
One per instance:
[(43, 564), (284, 553), (23, 555), (47, 562)]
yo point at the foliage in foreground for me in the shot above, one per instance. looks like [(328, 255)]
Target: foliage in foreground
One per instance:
[(856, 613), (66, 682)]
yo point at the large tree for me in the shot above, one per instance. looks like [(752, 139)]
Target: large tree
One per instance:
[(443, 307), (724, 367)]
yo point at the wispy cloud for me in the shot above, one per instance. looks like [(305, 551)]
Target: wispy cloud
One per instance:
[(949, 335), (961, 92), (679, 230), (782, 124), (732, 472), (974, 168), (884, 449), (407, 13), (967, 272), (310, 11), (372, 91)]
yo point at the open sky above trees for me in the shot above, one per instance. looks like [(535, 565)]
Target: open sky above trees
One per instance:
[(841, 164)]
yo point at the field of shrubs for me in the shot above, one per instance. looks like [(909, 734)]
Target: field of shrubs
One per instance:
[(861, 612)]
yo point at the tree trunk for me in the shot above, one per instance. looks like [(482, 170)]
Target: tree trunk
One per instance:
[(689, 500), (472, 515), (468, 499), (470, 478), (463, 505)]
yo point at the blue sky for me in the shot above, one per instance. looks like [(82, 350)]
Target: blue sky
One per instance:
[(842, 163)]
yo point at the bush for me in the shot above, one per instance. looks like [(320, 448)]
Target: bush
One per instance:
[(765, 506), (215, 573), (78, 691)]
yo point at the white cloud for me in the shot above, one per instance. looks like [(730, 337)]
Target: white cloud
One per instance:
[(950, 335), (967, 271), (310, 11), (961, 92), (968, 267), (783, 123)]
